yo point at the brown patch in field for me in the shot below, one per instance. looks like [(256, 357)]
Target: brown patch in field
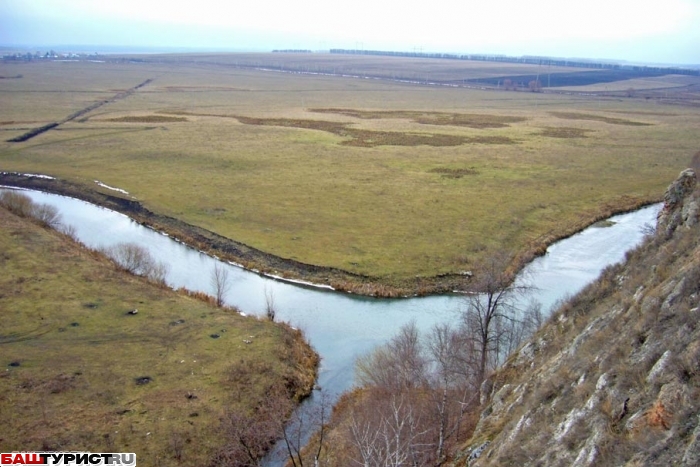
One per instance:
[(597, 118), (147, 119), (372, 138), (478, 121), (563, 132), (13, 122), (453, 173)]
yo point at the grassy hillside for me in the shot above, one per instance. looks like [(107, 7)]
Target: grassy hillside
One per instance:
[(81, 373), (378, 178)]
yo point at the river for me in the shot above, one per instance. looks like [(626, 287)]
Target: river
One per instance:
[(342, 326)]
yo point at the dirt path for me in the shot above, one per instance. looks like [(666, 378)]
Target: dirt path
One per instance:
[(42, 129)]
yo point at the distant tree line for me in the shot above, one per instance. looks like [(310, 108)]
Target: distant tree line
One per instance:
[(292, 51), (544, 61)]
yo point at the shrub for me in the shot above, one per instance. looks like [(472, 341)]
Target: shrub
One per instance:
[(137, 260)]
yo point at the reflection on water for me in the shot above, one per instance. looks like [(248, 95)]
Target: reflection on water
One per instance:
[(342, 326)]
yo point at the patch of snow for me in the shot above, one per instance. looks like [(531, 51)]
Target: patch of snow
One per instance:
[(111, 187), (299, 282), (46, 177)]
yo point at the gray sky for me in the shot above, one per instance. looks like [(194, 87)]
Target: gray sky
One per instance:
[(636, 30)]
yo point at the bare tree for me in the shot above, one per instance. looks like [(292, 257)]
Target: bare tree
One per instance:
[(47, 215), (270, 310), (388, 434), (398, 365), (249, 434), (220, 283), (491, 311), (453, 383), (136, 259), (310, 418)]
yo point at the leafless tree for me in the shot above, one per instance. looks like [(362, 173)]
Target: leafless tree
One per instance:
[(388, 435), (270, 310), (250, 433), (220, 283), (491, 311), (398, 365), (310, 418), (453, 384), (47, 215), (136, 259)]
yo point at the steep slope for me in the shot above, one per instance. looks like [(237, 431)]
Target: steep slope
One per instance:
[(613, 378)]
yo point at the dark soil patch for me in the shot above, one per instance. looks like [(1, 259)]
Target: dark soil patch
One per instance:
[(372, 138), (478, 121), (575, 78), (141, 380), (597, 118), (453, 173), (563, 132)]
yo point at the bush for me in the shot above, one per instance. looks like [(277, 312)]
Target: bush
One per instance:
[(137, 260), (23, 206)]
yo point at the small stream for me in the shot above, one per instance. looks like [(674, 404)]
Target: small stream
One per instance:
[(342, 326)]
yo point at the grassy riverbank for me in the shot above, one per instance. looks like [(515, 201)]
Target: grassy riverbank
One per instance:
[(81, 373), (399, 185)]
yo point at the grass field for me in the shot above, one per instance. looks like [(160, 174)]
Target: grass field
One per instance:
[(379, 178), (80, 373)]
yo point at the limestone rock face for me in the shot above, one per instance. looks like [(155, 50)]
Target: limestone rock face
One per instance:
[(680, 204), (613, 378)]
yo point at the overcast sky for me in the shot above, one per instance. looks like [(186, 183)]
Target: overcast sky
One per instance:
[(665, 31)]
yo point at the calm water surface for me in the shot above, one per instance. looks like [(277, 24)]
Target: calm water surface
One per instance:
[(342, 326)]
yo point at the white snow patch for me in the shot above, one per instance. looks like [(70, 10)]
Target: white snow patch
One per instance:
[(46, 177), (300, 282), (111, 187)]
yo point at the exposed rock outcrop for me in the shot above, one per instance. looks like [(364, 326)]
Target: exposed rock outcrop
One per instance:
[(613, 378)]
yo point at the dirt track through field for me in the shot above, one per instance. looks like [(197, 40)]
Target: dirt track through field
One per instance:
[(42, 129)]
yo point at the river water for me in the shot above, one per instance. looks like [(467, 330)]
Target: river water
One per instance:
[(342, 326)]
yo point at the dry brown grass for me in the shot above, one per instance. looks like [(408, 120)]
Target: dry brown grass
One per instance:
[(82, 374)]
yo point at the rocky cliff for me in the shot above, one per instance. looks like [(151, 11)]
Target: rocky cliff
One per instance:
[(613, 377)]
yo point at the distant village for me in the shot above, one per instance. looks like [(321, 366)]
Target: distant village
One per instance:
[(50, 55)]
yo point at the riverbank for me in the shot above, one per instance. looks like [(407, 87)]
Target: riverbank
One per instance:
[(291, 270), (98, 359)]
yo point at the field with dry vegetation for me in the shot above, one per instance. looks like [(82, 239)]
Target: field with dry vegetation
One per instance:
[(95, 358), (396, 183)]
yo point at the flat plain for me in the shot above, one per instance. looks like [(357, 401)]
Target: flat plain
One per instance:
[(379, 177)]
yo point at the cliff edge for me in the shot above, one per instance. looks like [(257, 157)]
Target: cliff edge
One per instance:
[(613, 377)]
